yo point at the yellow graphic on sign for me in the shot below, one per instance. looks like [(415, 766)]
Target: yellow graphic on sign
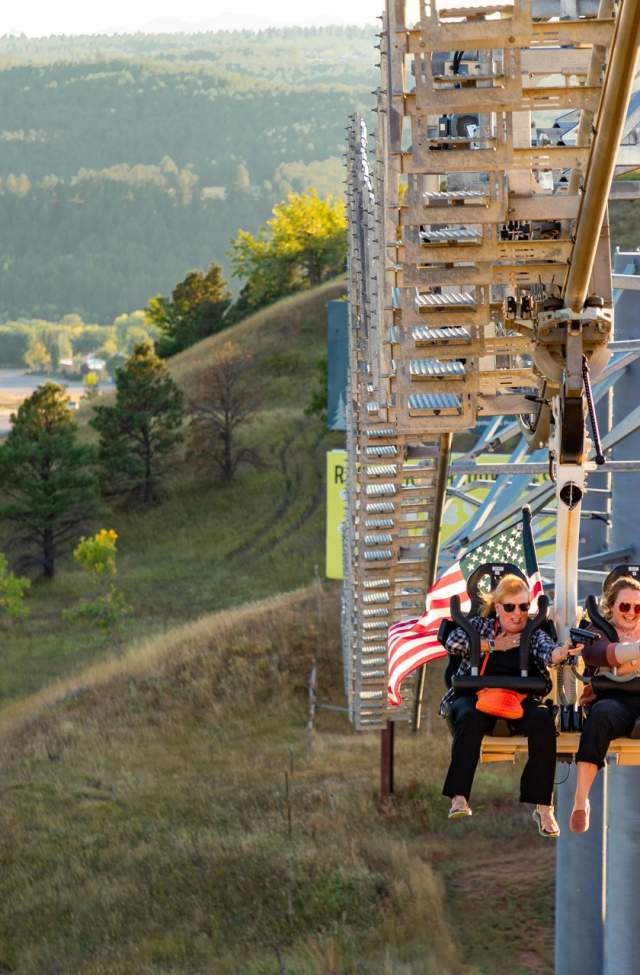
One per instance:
[(336, 499)]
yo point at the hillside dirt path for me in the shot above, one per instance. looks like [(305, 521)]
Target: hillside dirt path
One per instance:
[(500, 894), (318, 457), (262, 540)]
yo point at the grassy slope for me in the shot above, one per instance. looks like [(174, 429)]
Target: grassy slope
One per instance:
[(145, 825), (206, 547)]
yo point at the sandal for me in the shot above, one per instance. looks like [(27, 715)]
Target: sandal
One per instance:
[(548, 833), (460, 812), (579, 821)]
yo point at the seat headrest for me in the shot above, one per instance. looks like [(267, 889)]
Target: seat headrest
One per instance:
[(486, 577), (618, 572), (598, 619)]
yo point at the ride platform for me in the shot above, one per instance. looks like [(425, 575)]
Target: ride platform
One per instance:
[(498, 749)]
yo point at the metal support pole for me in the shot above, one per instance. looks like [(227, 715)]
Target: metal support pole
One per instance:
[(622, 939), (569, 492), (386, 762), (580, 870), (622, 942)]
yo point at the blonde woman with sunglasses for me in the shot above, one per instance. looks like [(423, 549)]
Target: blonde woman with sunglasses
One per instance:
[(500, 625), (612, 716)]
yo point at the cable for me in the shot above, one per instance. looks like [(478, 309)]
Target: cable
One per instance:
[(457, 58), (592, 413)]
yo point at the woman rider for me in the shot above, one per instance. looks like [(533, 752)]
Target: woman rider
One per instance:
[(503, 619), (612, 716)]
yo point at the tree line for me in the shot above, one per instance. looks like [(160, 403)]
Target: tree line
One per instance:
[(124, 162), (302, 244), (43, 346), (52, 485)]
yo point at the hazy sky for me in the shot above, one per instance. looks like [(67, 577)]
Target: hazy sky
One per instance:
[(42, 17)]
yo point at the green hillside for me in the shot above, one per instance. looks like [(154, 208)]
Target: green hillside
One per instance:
[(208, 546), (126, 162)]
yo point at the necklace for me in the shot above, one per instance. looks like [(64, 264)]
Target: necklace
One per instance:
[(514, 638)]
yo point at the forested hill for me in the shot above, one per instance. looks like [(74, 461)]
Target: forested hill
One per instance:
[(127, 161)]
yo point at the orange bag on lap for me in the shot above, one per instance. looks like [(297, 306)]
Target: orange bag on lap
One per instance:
[(499, 702)]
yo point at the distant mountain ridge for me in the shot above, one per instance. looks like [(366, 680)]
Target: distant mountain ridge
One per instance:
[(127, 161), (228, 20)]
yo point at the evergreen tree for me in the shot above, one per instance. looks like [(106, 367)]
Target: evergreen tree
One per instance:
[(48, 481), (139, 433), (196, 309)]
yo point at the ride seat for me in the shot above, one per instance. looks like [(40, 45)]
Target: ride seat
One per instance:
[(606, 682), (484, 579)]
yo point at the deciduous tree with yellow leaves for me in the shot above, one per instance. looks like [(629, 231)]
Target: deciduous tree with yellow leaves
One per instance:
[(303, 244)]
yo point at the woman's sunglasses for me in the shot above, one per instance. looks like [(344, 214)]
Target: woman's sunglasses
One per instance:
[(625, 607), (524, 607)]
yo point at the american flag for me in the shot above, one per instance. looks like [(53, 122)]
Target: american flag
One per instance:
[(413, 643)]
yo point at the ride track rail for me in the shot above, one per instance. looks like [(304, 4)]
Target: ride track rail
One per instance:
[(479, 278)]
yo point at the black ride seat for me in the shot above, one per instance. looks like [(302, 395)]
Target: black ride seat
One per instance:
[(606, 682), (483, 579)]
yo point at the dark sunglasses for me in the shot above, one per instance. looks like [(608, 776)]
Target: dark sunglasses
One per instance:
[(523, 607), (625, 607)]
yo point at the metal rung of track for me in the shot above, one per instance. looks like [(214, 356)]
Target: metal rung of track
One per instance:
[(380, 507), (436, 369), (435, 403), (454, 299), (455, 334), (454, 235), (382, 450)]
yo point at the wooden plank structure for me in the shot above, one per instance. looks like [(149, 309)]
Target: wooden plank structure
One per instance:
[(476, 210), (395, 481), (466, 224)]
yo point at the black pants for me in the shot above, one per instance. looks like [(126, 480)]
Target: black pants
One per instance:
[(469, 728), (609, 718)]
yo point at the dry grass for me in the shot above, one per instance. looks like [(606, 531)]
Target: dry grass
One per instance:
[(267, 336), (165, 811), (169, 815)]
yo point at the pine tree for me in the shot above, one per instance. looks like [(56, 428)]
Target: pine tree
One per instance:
[(196, 309), (139, 434), (48, 481)]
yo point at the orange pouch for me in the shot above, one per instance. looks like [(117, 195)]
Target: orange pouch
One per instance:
[(499, 702)]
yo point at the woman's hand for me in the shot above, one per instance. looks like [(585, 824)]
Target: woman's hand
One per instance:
[(629, 667), (561, 654), (504, 641)]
